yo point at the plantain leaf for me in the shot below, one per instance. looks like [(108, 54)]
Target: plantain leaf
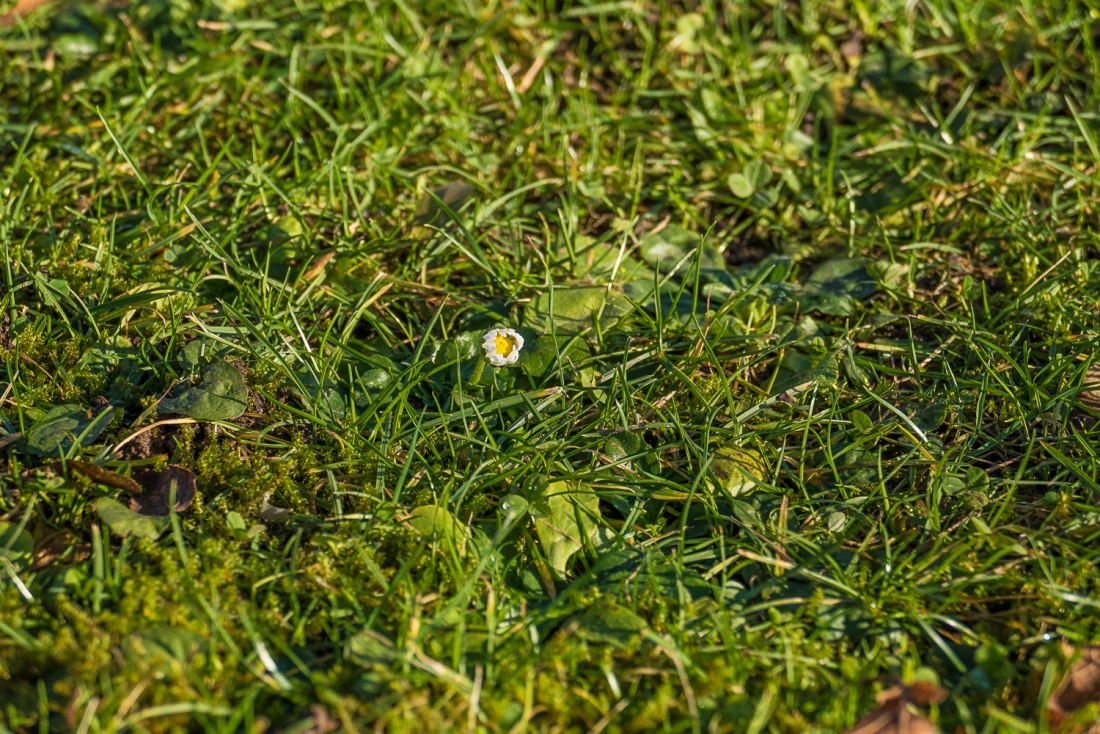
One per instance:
[(665, 248), (612, 624), (565, 515), (573, 310), (837, 284), (433, 521), (64, 427), (123, 521), (220, 396)]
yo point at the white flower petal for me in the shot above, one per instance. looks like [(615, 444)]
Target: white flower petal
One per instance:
[(489, 344)]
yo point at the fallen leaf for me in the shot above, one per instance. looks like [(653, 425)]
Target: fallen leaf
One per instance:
[(1080, 687), (99, 474), (893, 716), (319, 265), (924, 693), (21, 8), (320, 721), (52, 546), (852, 49), (158, 491), (273, 513), (1090, 390)]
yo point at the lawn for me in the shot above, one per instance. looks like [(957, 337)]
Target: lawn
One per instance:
[(804, 422)]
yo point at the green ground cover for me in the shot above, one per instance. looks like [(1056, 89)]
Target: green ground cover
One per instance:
[(809, 294)]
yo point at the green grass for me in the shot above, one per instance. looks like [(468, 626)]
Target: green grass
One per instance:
[(810, 291)]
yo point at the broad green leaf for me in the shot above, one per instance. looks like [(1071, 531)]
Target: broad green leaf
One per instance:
[(199, 351), (740, 185), (977, 481), (665, 248), (738, 470), (759, 172), (861, 421), (837, 284), (689, 27), (240, 529), (612, 624), (123, 521), (599, 261), (630, 448), (855, 465), (109, 351), (541, 353), (16, 545), (928, 417), (799, 68), (56, 433), (799, 368), (462, 347), (220, 396), (51, 291), (433, 521), (565, 516), (890, 276), (573, 310), (514, 504)]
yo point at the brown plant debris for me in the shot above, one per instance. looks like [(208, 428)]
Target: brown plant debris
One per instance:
[(21, 8), (894, 715), (158, 489), (1079, 688), (99, 475), (1090, 390), (53, 546)]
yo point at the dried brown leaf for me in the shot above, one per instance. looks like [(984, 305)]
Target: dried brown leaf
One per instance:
[(924, 693), (1080, 687), (322, 723), (893, 716), (158, 490), (53, 546), (99, 474), (21, 8), (852, 49), (1090, 390), (319, 265)]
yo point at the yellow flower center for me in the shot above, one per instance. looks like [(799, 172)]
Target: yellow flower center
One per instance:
[(504, 344)]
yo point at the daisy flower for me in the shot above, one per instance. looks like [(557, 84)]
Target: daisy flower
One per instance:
[(502, 346)]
